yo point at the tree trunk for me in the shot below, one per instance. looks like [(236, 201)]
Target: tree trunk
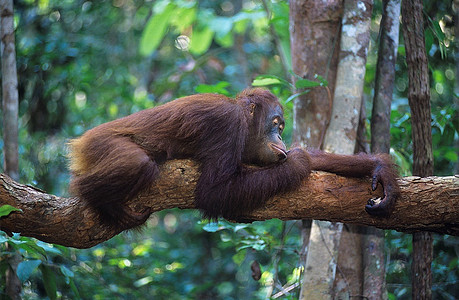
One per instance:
[(341, 137), (314, 37), (385, 77), (10, 90), (456, 88), (419, 100), (10, 122), (426, 204), (321, 260), (373, 241), (315, 28), (342, 131)]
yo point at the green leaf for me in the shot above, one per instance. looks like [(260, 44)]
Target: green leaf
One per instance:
[(306, 84), (451, 156), (265, 80), (49, 281), (75, 289), (240, 22), (239, 257), (7, 209), (17, 240), (219, 88), (322, 80), (225, 41), (401, 50), (201, 40), (26, 267), (183, 17), (438, 33), (155, 30), (31, 247)]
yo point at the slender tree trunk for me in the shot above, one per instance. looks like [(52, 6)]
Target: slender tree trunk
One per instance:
[(348, 280), (321, 260), (314, 36), (10, 90), (456, 88), (340, 137), (373, 242), (342, 130), (385, 77), (419, 100), (10, 122), (315, 28)]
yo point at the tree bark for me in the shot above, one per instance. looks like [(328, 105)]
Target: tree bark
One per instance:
[(374, 271), (315, 33), (385, 76), (419, 101), (340, 137), (342, 131), (10, 90), (426, 204), (321, 260), (314, 39), (10, 123)]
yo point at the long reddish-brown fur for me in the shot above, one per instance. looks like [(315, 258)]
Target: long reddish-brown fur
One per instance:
[(115, 161)]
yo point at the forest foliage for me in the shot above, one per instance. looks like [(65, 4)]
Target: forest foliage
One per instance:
[(82, 63)]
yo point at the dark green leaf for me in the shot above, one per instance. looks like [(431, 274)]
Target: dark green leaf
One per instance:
[(49, 281), (306, 84), (7, 209)]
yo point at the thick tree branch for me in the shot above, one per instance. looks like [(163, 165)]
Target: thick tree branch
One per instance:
[(427, 204)]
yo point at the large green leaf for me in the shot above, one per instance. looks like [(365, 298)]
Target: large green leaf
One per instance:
[(265, 80), (201, 40), (155, 30)]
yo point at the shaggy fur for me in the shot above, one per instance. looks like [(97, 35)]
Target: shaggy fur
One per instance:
[(115, 161)]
